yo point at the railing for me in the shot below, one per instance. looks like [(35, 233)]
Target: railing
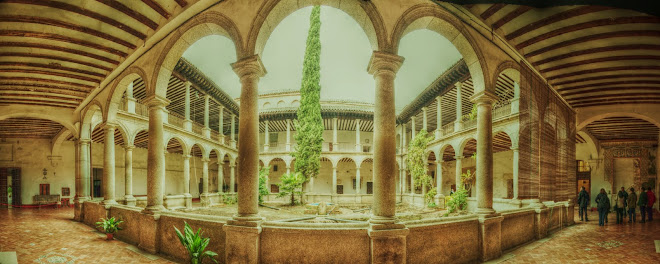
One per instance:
[(469, 123), (141, 109), (197, 128), (501, 111), (123, 105), (175, 119), (215, 136), (448, 129), (466, 117)]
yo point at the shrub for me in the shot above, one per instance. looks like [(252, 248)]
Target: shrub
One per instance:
[(263, 178), (229, 199), (291, 185), (110, 225), (195, 244), (458, 201)]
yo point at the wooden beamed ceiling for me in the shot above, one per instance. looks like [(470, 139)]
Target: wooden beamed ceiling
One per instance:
[(56, 52), (29, 128), (592, 55), (623, 128)]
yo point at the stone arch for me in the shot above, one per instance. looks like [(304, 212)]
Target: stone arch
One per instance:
[(510, 68), (122, 82), (593, 118), (434, 18), (448, 152), (272, 12), (591, 144), (87, 118), (370, 160), (197, 150), (202, 25), (141, 139), (124, 133), (176, 144), (464, 144)]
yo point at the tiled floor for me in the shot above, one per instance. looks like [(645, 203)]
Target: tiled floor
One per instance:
[(51, 236), (586, 242)]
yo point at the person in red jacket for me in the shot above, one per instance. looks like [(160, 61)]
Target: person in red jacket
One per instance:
[(649, 205)]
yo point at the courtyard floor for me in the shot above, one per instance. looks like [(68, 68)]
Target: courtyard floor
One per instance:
[(51, 236)]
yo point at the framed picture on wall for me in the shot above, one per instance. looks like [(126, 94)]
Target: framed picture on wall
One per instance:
[(66, 191)]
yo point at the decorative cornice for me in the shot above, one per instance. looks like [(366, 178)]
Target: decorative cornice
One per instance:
[(326, 112)]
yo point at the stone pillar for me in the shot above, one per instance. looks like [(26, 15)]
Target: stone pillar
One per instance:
[(130, 99), (233, 131), (206, 131), (187, 123), (186, 180), (334, 179), (232, 177), (516, 158), (221, 121), (388, 239), (413, 127), (221, 174), (335, 144), (288, 169), (459, 171), (128, 173), (358, 145), (242, 232), (438, 117), (424, 119), (484, 170), (458, 124), (85, 168), (310, 185), (288, 135), (404, 182), (266, 137), (515, 102), (358, 183), (155, 154), (109, 165), (404, 138), (204, 196), (440, 197)]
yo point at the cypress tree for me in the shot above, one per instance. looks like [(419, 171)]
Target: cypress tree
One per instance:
[(309, 127)]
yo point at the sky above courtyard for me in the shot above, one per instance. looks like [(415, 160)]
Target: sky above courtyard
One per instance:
[(345, 54)]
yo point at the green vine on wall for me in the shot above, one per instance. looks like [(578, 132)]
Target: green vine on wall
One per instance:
[(417, 162)]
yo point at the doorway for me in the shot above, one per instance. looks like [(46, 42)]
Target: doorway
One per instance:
[(10, 187), (97, 176)]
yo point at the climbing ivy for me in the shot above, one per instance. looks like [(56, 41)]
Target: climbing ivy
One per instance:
[(310, 122), (417, 159)]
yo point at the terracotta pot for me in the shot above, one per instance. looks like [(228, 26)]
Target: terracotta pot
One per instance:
[(109, 236)]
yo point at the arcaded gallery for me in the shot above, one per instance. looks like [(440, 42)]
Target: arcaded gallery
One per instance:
[(328, 131)]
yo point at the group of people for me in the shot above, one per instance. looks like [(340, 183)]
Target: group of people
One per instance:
[(622, 201)]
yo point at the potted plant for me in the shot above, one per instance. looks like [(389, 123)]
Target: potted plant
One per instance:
[(110, 226), (195, 244)]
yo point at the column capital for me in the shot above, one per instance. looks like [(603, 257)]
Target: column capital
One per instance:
[(458, 157), (384, 61), (458, 85), (187, 84), (514, 148), (249, 67), (206, 159), (484, 97), (86, 141), (232, 165), (156, 101), (110, 126), (186, 156), (128, 147)]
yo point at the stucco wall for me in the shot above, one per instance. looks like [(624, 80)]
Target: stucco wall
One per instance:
[(517, 228), (445, 241)]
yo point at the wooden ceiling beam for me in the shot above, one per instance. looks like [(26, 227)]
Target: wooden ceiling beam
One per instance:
[(606, 84), (491, 11), (510, 16), (567, 55), (156, 7), (181, 3), (61, 38), (605, 69), (599, 60), (36, 102), (52, 57), (130, 12), (578, 11), (42, 90), (59, 74), (57, 48), (588, 38), (616, 102), (46, 81), (611, 89), (50, 66)]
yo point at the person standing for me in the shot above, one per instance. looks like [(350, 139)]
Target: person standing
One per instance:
[(620, 204), (603, 203), (625, 199), (632, 203), (649, 205), (583, 202), (641, 202)]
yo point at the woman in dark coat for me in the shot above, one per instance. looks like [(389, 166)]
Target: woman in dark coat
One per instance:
[(603, 203)]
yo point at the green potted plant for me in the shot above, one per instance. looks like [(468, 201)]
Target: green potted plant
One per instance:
[(110, 226), (195, 244)]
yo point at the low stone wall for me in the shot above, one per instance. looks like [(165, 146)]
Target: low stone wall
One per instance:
[(444, 240), (211, 227), (517, 227), (175, 201), (93, 212), (314, 243)]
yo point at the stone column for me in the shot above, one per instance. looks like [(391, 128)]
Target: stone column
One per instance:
[(155, 154), (335, 144), (458, 124), (187, 123), (516, 158), (424, 119), (233, 131), (515, 102), (459, 171), (440, 197), (404, 183), (388, 239), (206, 131), (413, 131), (186, 180), (221, 121), (358, 145), (221, 174), (85, 168), (288, 169), (334, 179), (484, 170), (288, 135), (404, 138), (232, 177), (204, 196), (438, 117), (130, 100), (128, 173), (109, 165), (242, 232), (266, 137), (358, 183)]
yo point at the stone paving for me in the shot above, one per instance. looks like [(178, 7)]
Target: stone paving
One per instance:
[(52, 236), (586, 242)]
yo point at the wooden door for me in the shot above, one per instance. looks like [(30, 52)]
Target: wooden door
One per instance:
[(509, 188), (370, 188), (4, 198), (16, 186)]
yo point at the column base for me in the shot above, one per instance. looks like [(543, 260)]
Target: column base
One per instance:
[(438, 134), (388, 243), (108, 203), (205, 199), (206, 132), (78, 214), (154, 209), (458, 125), (486, 212), (440, 201), (130, 200), (490, 237), (541, 222), (233, 143), (242, 236), (515, 202), (188, 199), (187, 125)]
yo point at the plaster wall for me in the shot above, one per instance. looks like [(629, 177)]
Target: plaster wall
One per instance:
[(598, 181), (31, 155)]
